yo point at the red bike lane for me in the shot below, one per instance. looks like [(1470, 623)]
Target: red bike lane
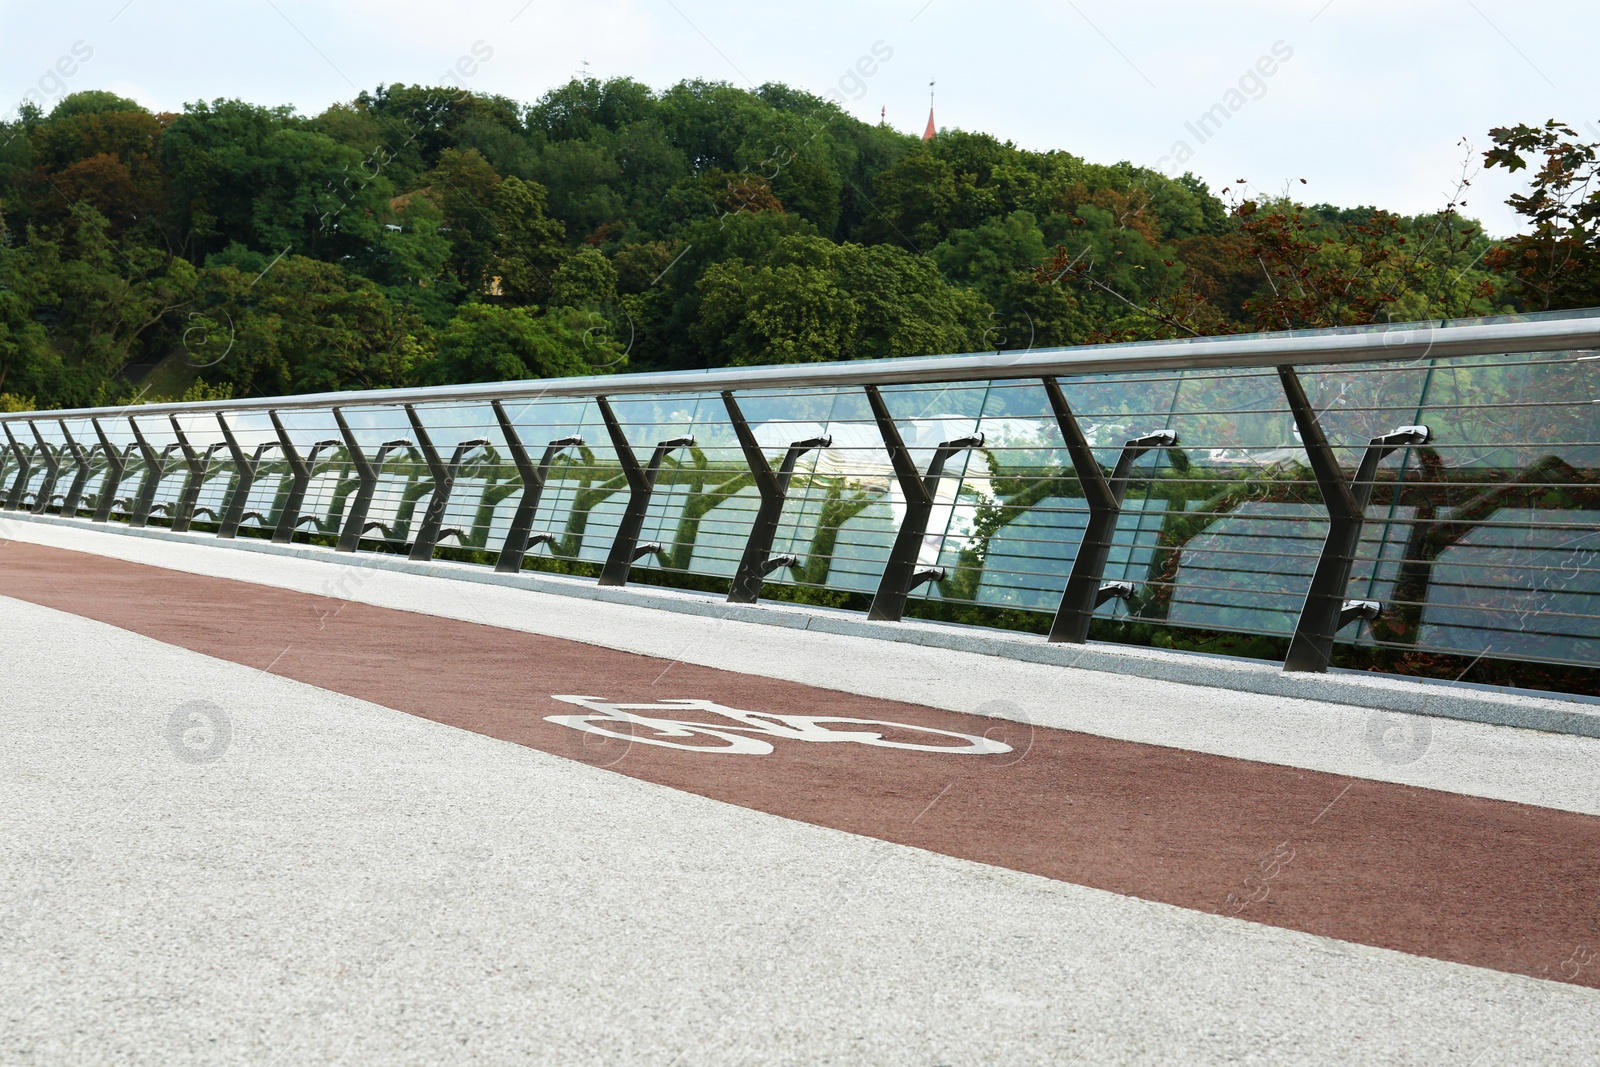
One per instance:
[(1482, 882)]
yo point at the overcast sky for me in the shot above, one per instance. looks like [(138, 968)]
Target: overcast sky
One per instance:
[(1370, 105)]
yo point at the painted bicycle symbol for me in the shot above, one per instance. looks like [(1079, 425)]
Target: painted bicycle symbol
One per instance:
[(746, 732)]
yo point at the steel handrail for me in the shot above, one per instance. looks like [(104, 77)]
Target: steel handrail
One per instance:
[(1360, 344)]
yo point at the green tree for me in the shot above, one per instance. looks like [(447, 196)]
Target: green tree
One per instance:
[(103, 306), (907, 309), (1556, 264), (502, 241), (584, 181), (795, 312), (486, 343), (259, 177), (812, 300), (584, 106), (28, 363), (407, 127), (303, 326), (528, 242), (984, 255), (586, 280), (916, 201), (411, 258)]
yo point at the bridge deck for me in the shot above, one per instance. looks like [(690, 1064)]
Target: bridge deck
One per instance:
[(277, 806)]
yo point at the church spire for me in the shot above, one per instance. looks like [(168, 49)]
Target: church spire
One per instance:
[(933, 130)]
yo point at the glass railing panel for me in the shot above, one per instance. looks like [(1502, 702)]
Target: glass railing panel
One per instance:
[(1505, 493), (1478, 542), (1250, 569), (1523, 584)]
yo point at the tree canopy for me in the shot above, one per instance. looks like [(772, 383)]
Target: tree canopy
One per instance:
[(434, 235)]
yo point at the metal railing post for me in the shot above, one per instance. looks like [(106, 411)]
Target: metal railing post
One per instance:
[(520, 537), (155, 467), (116, 466), (24, 470), (319, 447), (367, 484), (194, 480), (355, 523), (233, 513), (83, 467), (244, 479), (52, 471), (300, 477), (434, 516), (900, 574), (1086, 589), (758, 561), (300, 471), (5, 465), (625, 548), (1326, 611), (444, 480)]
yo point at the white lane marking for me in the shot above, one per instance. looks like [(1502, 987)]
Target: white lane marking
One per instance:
[(735, 734)]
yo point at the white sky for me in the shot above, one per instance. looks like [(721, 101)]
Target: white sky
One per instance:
[(1370, 108)]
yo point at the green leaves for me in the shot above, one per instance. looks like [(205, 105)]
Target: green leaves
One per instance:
[(502, 242), (1557, 265), (485, 343), (791, 313), (810, 300), (430, 234), (587, 280), (302, 326)]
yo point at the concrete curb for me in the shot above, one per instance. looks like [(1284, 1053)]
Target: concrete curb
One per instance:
[(1564, 714)]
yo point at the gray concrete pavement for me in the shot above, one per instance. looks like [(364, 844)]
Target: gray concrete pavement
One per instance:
[(328, 881)]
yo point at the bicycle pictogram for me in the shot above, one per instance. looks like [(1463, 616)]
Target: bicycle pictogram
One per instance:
[(748, 732)]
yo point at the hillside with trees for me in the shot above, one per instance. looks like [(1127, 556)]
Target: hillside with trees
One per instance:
[(430, 236)]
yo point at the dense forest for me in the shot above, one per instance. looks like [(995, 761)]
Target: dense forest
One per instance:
[(429, 236)]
